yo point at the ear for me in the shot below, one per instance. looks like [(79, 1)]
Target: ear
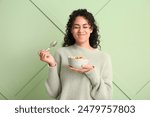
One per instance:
[(91, 30)]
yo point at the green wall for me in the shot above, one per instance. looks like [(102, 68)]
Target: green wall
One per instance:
[(27, 26)]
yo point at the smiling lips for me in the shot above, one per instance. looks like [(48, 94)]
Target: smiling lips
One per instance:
[(81, 34)]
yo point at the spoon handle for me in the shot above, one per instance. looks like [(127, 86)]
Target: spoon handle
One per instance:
[(47, 49)]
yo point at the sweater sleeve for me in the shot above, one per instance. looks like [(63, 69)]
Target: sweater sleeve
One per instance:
[(53, 82), (101, 84)]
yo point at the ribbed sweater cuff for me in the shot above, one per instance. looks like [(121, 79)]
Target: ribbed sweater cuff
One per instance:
[(52, 67), (92, 77)]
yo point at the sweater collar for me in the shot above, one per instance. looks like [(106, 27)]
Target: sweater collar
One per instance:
[(85, 49)]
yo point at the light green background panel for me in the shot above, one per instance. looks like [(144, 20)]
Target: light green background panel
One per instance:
[(125, 29), (2, 96), (38, 91), (23, 32), (27, 26), (144, 94), (118, 94), (58, 11)]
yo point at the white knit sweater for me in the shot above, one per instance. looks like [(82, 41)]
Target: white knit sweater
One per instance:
[(65, 84)]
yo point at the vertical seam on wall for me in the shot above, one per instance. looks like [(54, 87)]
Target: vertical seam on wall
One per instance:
[(46, 16)]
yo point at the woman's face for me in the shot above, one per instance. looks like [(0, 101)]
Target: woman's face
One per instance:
[(81, 30)]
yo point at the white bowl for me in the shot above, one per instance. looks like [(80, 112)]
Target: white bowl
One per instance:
[(77, 63)]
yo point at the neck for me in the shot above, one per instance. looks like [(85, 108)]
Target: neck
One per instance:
[(87, 46)]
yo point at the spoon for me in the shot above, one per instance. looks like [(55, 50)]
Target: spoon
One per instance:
[(52, 44)]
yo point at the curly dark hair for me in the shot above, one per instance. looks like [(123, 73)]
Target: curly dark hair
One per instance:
[(94, 37)]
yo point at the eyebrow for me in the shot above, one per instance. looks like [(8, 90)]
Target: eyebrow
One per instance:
[(79, 25)]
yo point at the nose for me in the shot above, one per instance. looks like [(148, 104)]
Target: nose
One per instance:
[(81, 29)]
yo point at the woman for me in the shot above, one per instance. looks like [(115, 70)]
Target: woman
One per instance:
[(92, 81)]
